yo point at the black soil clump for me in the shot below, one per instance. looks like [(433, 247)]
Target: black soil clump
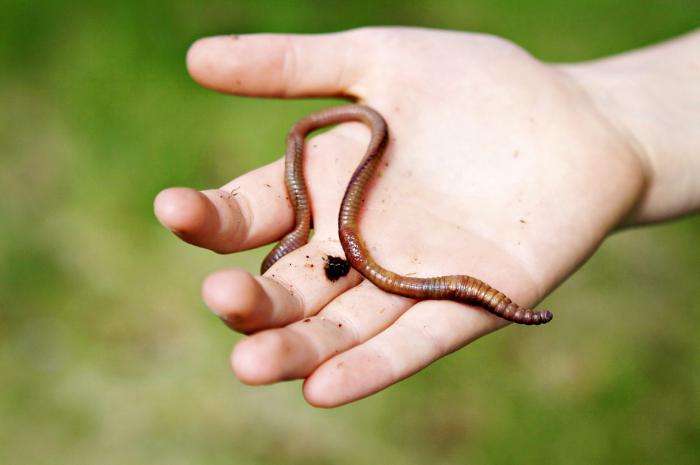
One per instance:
[(336, 268)]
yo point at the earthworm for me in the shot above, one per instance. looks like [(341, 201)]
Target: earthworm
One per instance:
[(459, 288)]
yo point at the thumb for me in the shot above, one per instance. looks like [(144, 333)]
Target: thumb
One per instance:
[(280, 65)]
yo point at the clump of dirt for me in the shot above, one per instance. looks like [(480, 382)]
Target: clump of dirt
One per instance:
[(336, 268)]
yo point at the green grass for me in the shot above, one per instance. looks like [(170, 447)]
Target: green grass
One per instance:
[(107, 354)]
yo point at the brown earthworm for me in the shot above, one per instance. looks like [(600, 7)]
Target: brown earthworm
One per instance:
[(459, 288)]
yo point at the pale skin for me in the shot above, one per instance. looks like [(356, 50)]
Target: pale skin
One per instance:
[(499, 166)]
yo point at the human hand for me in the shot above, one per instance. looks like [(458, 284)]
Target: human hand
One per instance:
[(499, 166)]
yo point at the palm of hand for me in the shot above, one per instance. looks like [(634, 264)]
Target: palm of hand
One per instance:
[(498, 167)]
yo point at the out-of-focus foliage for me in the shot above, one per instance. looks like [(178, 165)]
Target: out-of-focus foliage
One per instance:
[(107, 354)]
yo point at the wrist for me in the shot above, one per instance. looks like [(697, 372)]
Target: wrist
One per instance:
[(651, 97)]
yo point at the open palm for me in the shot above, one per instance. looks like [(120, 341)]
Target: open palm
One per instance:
[(498, 166)]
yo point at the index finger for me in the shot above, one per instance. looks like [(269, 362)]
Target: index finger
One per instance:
[(248, 212)]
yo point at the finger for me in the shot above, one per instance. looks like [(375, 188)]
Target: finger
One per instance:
[(295, 351), (248, 212), (294, 288), (280, 65), (427, 331)]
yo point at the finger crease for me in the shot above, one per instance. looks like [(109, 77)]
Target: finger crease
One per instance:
[(247, 214), (295, 293), (349, 328), (290, 66), (425, 330)]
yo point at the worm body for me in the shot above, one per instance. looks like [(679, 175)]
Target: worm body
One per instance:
[(459, 288)]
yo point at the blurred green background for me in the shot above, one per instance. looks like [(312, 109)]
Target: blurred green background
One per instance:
[(107, 354)]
